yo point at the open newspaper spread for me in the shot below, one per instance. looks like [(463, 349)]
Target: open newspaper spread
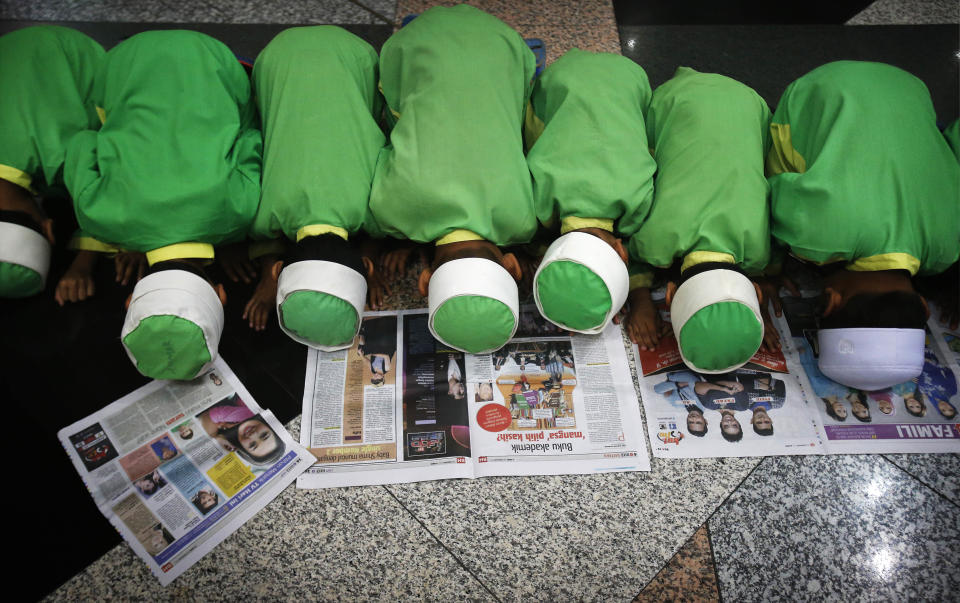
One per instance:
[(780, 403), (178, 466), (399, 406)]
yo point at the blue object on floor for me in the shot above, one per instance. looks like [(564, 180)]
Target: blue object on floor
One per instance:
[(540, 51), (536, 45)]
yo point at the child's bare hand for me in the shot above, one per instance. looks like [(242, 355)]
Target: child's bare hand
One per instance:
[(528, 267), (771, 337), (235, 261), (770, 287), (393, 263), (77, 284), (258, 309), (127, 263), (643, 323), (377, 290)]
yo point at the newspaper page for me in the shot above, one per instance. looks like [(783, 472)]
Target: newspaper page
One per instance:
[(400, 406), (919, 415), (177, 467), (756, 410), (388, 409), (554, 403)]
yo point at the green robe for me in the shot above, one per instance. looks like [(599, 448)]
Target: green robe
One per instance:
[(588, 142), (456, 82), (709, 135), (46, 86), (178, 156), (952, 134), (316, 88), (860, 173)]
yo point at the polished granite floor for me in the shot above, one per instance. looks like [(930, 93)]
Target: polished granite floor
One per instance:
[(805, 528)]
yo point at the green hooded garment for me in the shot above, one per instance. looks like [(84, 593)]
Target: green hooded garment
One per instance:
[(709, 135), (952, 134), (46, 97), (177, 159), (588, 143), (860, 173), (316, 88), (456, 82)]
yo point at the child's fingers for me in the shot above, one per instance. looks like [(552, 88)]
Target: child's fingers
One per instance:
[(128, 272), (58, 294), (89, 288), (777, 306), (246, 271), (791, 287)]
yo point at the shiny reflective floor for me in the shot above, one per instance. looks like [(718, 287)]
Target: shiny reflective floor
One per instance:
[(750, 529)]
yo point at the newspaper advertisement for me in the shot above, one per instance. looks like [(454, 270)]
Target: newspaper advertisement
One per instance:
[(756, 410), (919, 415), (400, 406), (177, 467)]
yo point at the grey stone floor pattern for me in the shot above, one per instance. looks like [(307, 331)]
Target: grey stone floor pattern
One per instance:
[(835, 527), (206, 11), (908, 12)]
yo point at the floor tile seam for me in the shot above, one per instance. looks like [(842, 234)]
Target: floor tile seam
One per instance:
[(671, 558), (935, 490), (376, 14), (442, 544), (735, 489), (704, 523), (713, 560)]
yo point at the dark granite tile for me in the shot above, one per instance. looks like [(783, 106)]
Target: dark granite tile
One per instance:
[(835, 528), (710, 12), (745, 53), (689, 576)]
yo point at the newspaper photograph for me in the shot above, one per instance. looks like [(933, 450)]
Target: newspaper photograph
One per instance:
[(554, 403), (400, 406), (177, 467), (756, 410), (919, 415)]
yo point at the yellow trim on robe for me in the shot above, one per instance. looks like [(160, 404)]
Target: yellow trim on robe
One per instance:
[(91, 244), (782, 157), (102, 114), (886, 261), (701, 257), (458, 236), (180, 251), (641, 279), (574, 223), (315, 230), (395, 114), (533, 126), (258, 249), (18, 177)]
